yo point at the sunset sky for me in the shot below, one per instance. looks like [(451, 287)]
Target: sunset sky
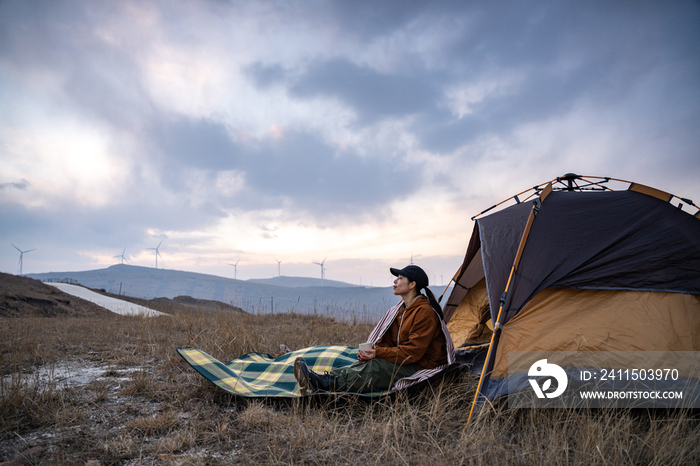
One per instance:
[(360, 131)]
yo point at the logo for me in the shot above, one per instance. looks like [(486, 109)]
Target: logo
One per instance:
[(541, 369)]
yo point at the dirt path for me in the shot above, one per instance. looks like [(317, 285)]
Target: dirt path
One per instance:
[(117, 306)]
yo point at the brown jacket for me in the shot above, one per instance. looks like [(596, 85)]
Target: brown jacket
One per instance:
[(420, 342)]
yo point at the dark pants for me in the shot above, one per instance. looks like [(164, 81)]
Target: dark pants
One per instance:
[(376, 375)]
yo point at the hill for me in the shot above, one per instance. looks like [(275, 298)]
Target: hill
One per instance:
[(300, 282), (181, 303), (346, 303), (25, 297)]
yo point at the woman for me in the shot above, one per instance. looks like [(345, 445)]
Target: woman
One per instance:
[(411, 337)]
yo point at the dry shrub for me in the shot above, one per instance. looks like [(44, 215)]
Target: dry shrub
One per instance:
[(100, 392), (144, 384), (120, 447), (257, 416), (158, 424)]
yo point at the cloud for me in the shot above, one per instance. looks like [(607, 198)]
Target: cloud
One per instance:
[(562, 58), (21, 185), (195, 142), (265, 76), (85, 227), (297, 170), (372, 94), (200, 121), (66, 52)]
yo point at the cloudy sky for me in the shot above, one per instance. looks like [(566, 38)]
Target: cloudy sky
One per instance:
[(362, 131)]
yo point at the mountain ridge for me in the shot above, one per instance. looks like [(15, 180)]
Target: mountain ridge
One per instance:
[(346, 302), (300, 282)]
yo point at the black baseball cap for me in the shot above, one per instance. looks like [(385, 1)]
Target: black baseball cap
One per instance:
[(414, 274)]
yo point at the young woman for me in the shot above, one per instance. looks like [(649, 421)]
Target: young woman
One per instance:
[(409, 338)]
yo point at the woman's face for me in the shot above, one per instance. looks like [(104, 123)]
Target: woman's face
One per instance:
[(402, 285)]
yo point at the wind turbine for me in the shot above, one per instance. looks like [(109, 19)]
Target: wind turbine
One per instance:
[(322, 268), (279, 273), (411, 258), (156, 250), (235, 269), (21, 255), (122, 256)]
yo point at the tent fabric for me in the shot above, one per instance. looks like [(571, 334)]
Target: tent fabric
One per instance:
[(598, 271), (598, 240), (471, 319), (612, 321), (649, 191), (686, 363), (463, 278), (473, 274), (500, 235)]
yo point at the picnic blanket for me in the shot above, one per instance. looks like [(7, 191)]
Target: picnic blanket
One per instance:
[(262, 375)]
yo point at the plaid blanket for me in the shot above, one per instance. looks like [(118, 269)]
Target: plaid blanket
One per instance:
[(263, 375)]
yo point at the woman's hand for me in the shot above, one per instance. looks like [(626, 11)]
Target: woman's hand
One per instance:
[(366, 356)]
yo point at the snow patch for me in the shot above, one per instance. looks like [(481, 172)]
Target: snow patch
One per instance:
[(115, 305)]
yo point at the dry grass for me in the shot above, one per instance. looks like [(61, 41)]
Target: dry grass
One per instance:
[(149, 407)]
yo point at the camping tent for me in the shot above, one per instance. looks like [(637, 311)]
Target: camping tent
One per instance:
[(578, 267)]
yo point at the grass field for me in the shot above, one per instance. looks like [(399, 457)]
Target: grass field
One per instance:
[(144, 405)]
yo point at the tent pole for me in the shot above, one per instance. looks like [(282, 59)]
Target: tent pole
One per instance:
[(488, 354), (445, 290), (583, 177), (497, 324), (513, 197)]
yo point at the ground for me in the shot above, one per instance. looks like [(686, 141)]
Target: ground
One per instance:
[(88, 387)]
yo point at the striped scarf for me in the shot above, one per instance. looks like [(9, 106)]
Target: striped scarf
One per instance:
[(381, 328)]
